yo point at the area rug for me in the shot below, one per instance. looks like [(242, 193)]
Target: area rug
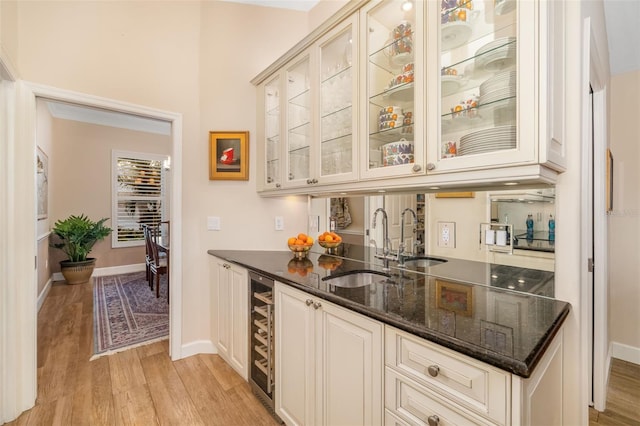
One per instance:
[(126, 313)]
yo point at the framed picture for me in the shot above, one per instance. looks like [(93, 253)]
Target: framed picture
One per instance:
[(454, 297), (609, 181), (229, 155), (42, 178), (455, 195)]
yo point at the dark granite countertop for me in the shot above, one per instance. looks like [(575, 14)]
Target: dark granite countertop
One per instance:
[(507, 329)]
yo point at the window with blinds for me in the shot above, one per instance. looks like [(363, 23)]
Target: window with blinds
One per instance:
[(138, 195)]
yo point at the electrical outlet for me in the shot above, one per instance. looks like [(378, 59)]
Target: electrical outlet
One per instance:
[(279, 223), (447, 234), (213, 223)]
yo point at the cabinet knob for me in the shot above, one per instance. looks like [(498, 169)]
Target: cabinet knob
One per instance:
[(317, 305), (433, 420), (431, 166), (315, 180), (309, 302), (278, 185), (416, 168), (433, 370), (309, 181)]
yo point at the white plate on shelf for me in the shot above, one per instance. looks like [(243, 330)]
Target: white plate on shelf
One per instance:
[(451, 84), (402, 93), (454, 34), (497, 55), (401, 59)]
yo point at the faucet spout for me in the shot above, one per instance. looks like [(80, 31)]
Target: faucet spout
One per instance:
[(401, 247), (385, 235)]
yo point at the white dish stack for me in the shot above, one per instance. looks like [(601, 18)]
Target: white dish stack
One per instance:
[(494, 139), (499, 87)]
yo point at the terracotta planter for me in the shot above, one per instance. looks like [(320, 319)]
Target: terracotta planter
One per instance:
[(77, 272)]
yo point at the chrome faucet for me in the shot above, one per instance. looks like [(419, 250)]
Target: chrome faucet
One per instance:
[(401, 247), (386, 243)]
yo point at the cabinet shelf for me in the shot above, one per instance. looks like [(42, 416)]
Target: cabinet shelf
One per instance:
[(303, 129), (341, 73), (400, 93), (301, 99), (393, 135), (469, 64), (487, 115), (383, 59)]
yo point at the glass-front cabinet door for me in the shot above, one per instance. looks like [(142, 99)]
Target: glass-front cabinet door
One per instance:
[(337, 60), (272, 128), (298, 121), (392, 88), (486, 74)]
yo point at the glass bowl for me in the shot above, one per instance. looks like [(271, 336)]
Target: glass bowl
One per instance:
[(329, 245), (299, 250)]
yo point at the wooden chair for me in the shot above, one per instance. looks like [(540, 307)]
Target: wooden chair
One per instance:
[(158, 265)]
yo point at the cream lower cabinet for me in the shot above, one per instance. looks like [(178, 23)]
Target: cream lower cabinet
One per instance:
[(230, 312), (426, 384), (329, 363)]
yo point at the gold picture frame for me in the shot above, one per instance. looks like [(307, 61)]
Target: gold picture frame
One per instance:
[(609, 181), (229, 155), (455, 195), (455, 297)]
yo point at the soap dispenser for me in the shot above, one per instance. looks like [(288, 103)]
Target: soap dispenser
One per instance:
[(530, 226), (552, 228)]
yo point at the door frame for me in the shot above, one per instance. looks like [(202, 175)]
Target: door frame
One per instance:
[(33, 91), (596, 309)]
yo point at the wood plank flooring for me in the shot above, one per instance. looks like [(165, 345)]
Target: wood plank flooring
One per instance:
[(623, 396), (140, 386)]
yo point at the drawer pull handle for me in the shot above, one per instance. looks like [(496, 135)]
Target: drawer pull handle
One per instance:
[(317, 305), (433, 420), (433, 370), (309, 302)]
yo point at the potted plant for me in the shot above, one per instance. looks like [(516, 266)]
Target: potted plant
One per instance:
[(78, 234)]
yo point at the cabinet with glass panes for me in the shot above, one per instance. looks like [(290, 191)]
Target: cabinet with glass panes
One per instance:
[(487, 100), (392, 40)]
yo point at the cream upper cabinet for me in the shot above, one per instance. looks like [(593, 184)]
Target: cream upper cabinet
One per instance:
[(338, 129), (487, 72), (392, 87), (394, 94), (270, 124)]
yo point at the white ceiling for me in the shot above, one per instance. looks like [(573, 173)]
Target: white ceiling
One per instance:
[(623, 31), (104, 117)]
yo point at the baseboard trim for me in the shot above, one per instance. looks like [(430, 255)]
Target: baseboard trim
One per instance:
[(43, 294), (625, 352), (109, 270), (197, 347)]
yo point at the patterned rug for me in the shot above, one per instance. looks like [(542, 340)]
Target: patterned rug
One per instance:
[(126, 313)]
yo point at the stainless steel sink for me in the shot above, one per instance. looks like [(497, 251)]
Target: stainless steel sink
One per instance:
[(422, 262), (357, 279)]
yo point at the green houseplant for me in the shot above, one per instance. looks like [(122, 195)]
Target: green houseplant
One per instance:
[(77, 235)]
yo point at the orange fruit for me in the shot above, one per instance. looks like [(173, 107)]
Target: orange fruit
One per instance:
[(302, 236), (321, 237), (299, 242), (309, 241), (328, 239), (334, 235), (291, 241)]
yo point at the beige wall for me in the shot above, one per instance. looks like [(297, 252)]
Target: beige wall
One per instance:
[(9, 30), (193, 58), (624, 220), (82, 184)]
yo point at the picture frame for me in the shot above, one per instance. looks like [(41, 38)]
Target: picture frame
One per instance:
[(455, 195), (42, 182), (229, 155), (455, 297), (609, 181)]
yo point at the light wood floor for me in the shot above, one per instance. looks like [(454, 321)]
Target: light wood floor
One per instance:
[(140, 386), (623, 396)]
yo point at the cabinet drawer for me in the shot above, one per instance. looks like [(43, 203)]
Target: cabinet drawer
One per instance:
[(416, 405), (471, 383)]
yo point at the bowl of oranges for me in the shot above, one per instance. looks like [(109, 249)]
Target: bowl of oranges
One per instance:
[(300, 245), (329, 240)]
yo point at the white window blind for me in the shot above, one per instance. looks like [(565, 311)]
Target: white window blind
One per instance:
[(139, 182)]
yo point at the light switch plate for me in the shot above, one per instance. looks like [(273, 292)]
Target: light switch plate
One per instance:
[(314, 223), (213, 223), (447, 234), (279, 223)]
